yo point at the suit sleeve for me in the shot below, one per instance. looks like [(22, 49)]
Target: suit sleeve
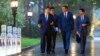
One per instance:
[(52, 19), (39, 20), (59, 21), (77, 24), (56, 21), (88, 21), (72, 22)]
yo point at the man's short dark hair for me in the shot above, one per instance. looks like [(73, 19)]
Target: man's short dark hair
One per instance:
[(82, 10), (47, 7), (51, 7), (65, 6)]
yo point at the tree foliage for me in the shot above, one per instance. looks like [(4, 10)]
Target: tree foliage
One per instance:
[(6, 13)]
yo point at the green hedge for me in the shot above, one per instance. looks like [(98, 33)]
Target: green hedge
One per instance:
[(26, 41)]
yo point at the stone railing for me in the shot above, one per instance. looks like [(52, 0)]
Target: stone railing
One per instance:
[(10, 40)]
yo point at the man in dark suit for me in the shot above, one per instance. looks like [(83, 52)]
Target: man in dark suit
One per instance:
[(45, 23), (66, 25), (82, 23), (54, 34)]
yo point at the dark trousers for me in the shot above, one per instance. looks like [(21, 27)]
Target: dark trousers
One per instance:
[(78, 39), (53, 40), (45, 42), (64, 38), (83, 38)]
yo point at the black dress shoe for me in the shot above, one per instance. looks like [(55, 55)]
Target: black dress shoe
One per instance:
[(66, 51), (82, 52), (42, 52), (53, 52), (48, 52)]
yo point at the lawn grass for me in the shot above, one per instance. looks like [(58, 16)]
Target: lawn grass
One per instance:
[(26, 42)]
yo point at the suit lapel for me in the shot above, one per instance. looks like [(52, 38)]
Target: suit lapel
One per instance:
[(66, 17), (63, 15), (85, 19), (82, 20), (48, 18), (44, 18)]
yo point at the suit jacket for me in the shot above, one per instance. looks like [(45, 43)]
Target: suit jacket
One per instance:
[(55, 17), (79, 23), (66, 24), (45, 25)]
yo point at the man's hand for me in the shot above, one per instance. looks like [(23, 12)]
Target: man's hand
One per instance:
[(72, 31), (56, 28), (84, 25), (78, 34), (51, 23), (39, 25), (59, 30)]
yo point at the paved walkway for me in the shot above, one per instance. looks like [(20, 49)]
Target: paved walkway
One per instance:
[(9, 50), (92, 49), (74, 50)]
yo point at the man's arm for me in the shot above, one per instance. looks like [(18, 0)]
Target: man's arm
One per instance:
[(52, 20), (77, 26), (88, 21), (88, 25), (56, 22), (39, 21), (59, 23), (72, 21)]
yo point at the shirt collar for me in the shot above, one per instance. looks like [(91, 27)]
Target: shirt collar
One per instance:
[(46, 14), (82, 15), (66, 12)]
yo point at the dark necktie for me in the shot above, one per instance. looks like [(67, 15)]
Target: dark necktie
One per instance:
[(65, 15), (82, 18), (46, 16)]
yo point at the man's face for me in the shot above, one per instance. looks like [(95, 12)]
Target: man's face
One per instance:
[(64, 9), (80, 12), (52, 11), (47, 10)]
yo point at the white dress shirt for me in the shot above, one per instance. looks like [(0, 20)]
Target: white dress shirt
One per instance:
[(65, 14), (46, 17), (82, 18)]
